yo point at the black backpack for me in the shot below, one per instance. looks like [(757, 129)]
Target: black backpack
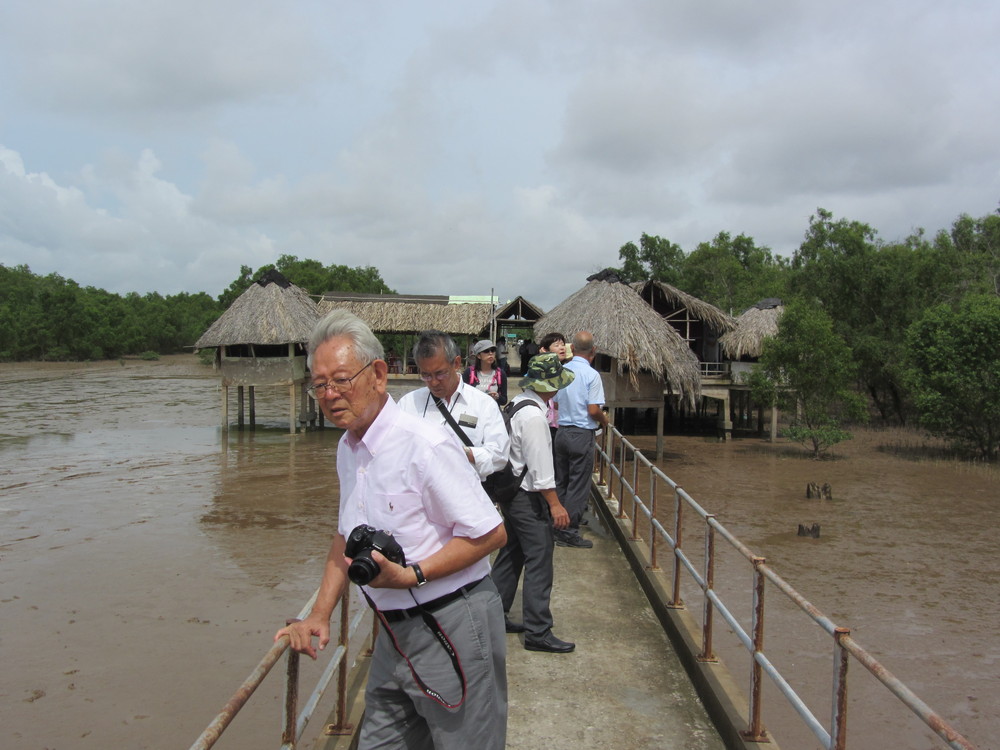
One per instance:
[(503, 485)]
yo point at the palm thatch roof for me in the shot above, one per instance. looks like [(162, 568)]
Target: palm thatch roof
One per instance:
[(629, 330), (384, 315), (756, 324), (271, 311), (660, 293), (519, 310)]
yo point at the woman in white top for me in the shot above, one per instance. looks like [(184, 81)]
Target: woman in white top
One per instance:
[(484, 373)]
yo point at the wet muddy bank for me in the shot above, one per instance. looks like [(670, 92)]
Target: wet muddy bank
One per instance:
[(146, 556)]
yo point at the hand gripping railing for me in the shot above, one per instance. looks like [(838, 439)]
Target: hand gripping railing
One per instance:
[(610, 457), (294, 726)]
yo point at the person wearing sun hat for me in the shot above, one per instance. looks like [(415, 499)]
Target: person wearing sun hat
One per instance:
[(535, 511), (485, 374)]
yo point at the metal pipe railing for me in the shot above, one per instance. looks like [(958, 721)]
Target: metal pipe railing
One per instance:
[(844, 646), (294, 724)]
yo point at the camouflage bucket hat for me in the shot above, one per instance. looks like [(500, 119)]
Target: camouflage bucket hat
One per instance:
[(546, 374)]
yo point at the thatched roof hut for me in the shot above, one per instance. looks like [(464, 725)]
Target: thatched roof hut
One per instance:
[(519, 311), (260, 340), (406, 315), (271, 311), (628, 330), (663, 297), (756, 324)]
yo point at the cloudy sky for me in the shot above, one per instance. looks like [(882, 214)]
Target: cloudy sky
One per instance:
[(158, 145)]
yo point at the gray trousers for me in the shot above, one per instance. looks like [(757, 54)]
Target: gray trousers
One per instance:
[(574, 466), (399, 715), (528, 550)]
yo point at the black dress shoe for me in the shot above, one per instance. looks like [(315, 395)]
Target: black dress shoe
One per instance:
[(513, 627), (573, 540), (550, 644)]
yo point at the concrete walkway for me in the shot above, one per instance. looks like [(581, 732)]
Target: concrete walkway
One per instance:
[(623, 687)]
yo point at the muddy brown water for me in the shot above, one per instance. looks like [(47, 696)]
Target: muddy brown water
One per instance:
[(146, 558)]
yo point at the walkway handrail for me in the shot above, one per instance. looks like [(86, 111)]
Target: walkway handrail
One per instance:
[(294, 725), (844, 646)]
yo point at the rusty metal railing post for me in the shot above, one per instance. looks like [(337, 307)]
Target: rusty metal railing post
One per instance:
[(288, 733), (708, 617), (635, 502), (654, 563), (756, 732), (841, 659), (675, 598), (601, 467), (342, 726)]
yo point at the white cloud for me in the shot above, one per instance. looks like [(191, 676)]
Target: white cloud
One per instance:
[(512, 145)]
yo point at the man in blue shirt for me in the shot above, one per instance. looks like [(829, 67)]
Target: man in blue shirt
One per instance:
[(580, 415)]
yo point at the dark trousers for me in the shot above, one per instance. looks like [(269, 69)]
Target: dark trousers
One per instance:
[(574, 467), (528, 549)]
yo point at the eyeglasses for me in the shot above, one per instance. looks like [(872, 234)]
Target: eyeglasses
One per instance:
[(427, 377), (337, 385), (489, 351)]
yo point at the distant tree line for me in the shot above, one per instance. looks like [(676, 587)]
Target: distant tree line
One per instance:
[(50, 318), (919, 318)]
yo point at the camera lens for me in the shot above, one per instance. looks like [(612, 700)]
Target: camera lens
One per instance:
[(363, 569)]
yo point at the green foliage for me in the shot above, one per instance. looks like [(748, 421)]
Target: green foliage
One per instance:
[(240, 284), (655, 258), (149, 356), (873, 291), (808, 367), (316, 278), (52, 318), (732, 273), (953, 369), (817, 438)]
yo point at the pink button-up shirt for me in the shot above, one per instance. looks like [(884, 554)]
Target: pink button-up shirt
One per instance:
[(411, 478)]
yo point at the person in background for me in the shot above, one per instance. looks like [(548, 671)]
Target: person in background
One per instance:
[(580, 414), (502, 355), (476, 414), (484, 374), (553, 342), (534, 511), (409, 477), (527, 350)]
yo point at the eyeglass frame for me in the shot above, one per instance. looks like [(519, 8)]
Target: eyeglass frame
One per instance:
[(337, 385), (429, 377)]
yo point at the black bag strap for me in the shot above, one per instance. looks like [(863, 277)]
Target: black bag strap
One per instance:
[(442, 638), (513, 408), (451, 421)]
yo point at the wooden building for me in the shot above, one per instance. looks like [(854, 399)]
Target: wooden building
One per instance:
[(641, 356), (742, 346), (407, 315), (261, 340), (699, 323)]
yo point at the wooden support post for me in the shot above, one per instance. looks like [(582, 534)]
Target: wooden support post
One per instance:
[(659, 433), (253, 408), (291, 409), (239, 406), (225, 407)]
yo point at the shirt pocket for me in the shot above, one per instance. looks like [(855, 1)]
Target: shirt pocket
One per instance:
[(402, 515)]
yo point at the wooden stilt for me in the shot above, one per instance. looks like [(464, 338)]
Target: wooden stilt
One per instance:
[(239, 406), (225, 407), (253, 408), (659, 433)]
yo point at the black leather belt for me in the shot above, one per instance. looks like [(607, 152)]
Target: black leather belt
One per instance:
[(395, 615)]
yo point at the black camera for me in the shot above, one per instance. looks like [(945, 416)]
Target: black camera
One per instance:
[(359, 548)]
